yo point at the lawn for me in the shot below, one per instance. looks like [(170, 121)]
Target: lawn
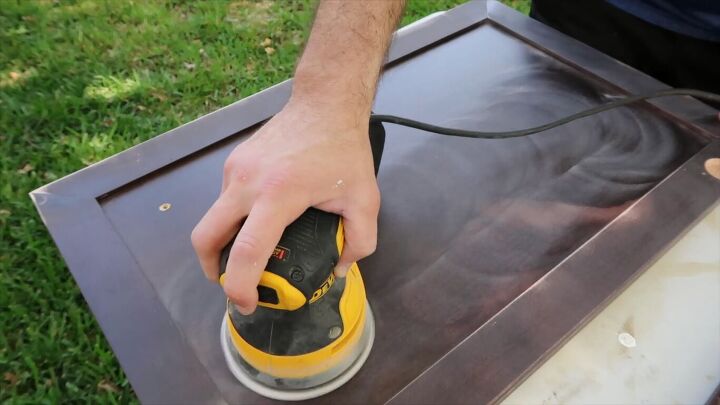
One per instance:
[(80, 81)]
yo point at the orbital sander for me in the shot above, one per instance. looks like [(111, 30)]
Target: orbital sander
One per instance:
[(311, 331)]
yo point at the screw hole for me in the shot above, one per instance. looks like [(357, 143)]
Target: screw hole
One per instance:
[(712, 166)]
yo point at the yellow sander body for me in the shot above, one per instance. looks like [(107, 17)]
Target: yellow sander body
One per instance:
[(311, 331)]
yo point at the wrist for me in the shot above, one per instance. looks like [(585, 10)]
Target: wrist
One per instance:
[(340, 87), (321, 102)]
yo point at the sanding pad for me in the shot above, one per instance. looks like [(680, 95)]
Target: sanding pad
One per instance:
[(242, 371)]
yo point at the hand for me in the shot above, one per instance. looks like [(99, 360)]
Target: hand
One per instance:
[(307, 155)]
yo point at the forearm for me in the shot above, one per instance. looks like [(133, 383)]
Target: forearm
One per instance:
[(272, 179), (344, 55)]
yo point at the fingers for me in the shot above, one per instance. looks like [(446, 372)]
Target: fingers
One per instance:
[(360, 227), (253, 246), (217, 228)]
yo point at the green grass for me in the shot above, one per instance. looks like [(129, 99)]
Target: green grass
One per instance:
[(82, 80)]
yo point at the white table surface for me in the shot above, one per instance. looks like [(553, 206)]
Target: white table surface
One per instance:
[(656, 343)]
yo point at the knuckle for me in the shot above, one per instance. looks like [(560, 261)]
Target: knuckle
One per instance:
[(228, 167), (369, 202), (246, 246), (276, 184), (200, 240), (367, 246), (234, 171), (374, 199)]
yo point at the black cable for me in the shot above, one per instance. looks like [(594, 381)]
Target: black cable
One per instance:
[(391, 119)]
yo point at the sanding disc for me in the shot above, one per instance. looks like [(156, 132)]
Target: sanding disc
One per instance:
[(247, 380)]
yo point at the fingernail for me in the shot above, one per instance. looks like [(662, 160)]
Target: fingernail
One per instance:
[(341, 270), (243, 310)]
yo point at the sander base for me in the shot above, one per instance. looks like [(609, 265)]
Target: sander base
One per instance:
[(248, 376)]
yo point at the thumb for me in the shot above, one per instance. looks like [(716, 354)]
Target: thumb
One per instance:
[(360, 228)]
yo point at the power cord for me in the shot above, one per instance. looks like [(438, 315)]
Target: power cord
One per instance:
[(392, 119)]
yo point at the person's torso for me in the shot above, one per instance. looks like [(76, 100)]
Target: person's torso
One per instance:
[(695, 18)]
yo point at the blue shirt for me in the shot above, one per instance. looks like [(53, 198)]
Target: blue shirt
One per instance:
[(695, 18)]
